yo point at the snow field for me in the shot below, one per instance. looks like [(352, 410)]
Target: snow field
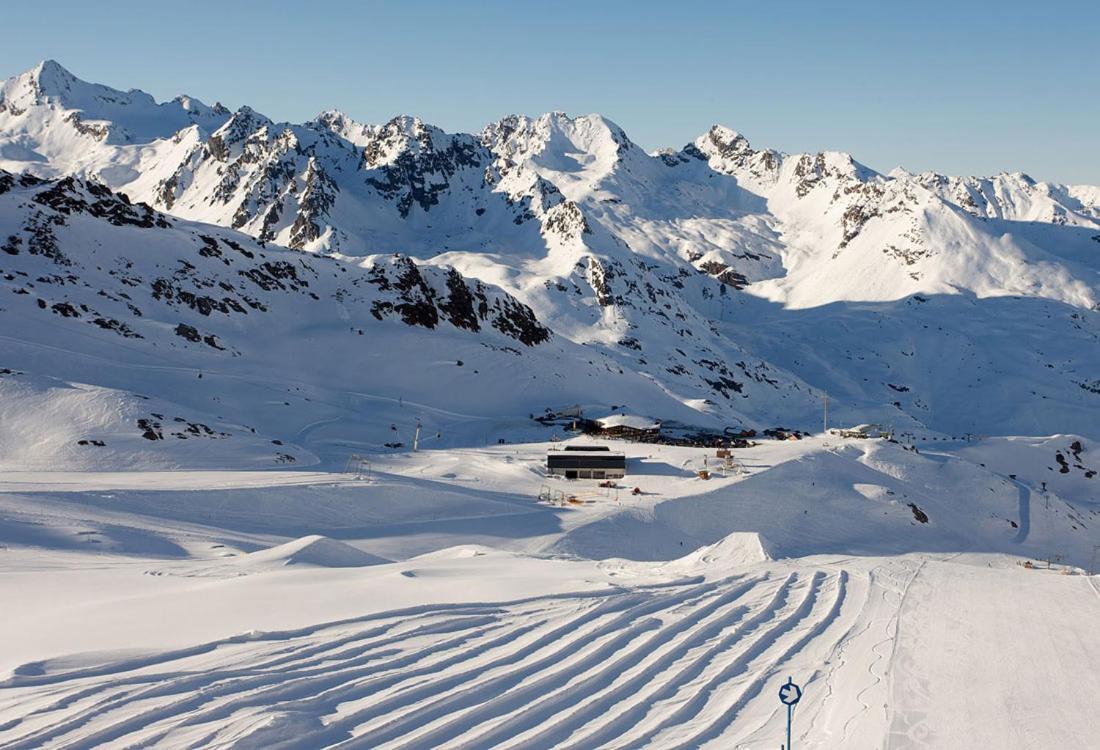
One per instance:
[(269, 640)]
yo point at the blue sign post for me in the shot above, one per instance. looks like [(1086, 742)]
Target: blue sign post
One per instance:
[(789, 694)]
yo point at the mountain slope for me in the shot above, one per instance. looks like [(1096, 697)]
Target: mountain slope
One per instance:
[(852, 234), (685, 270), (228, 331)]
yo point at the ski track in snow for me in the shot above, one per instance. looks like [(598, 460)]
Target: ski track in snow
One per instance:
[(1092, 583), (1025, 512), (675, 666)]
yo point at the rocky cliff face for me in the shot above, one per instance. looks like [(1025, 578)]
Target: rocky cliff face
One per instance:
[(212, 277)]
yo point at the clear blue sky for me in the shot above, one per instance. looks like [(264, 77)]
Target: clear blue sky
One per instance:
[(960, 87)]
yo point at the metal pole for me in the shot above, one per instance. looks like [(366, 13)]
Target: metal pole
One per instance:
[(790, 708)]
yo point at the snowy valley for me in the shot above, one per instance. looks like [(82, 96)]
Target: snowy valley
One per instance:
[(271, 473)]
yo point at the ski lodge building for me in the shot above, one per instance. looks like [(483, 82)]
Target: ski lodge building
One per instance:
[(586, 462), (629, 426)]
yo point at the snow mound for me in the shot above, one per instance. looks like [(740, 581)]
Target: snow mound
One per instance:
[(314, 550), (737, 550)]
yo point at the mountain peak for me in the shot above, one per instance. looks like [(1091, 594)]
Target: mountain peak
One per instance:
[(238, 127), (46, 81), (593, 123), (407, 125), (332, 118), (191, 104), (341, 124), (727, 141), (49, 91), (555, 135), (725, 134), (51, 75)]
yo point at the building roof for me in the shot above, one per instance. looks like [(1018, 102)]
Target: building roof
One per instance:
[(628, 420), (590, 460)]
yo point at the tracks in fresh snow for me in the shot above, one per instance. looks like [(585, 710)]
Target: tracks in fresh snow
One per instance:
[(677, 665)]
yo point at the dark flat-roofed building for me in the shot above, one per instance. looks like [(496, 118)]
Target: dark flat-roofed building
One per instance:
[(586, 462)]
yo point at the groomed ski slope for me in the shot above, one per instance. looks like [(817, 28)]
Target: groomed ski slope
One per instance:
[(191, 609), (892, 653)]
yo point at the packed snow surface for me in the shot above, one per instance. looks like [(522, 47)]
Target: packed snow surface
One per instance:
[(439, 603)]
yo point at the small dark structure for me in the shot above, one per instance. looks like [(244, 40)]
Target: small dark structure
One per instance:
[(586, 462)]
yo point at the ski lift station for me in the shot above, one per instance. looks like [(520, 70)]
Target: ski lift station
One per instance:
[(586, 462)]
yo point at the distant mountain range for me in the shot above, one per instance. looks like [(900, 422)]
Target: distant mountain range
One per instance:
[(719, 285)]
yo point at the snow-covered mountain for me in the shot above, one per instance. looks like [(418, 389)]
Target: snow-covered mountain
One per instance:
[(717, 285), (257, 339), (270, 432), (852, 234)]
